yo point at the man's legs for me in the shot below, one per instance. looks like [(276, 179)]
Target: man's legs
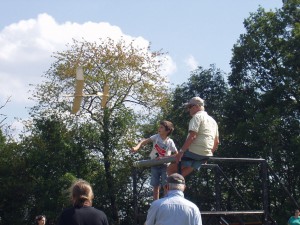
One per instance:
[(185, 170), (172, 168)]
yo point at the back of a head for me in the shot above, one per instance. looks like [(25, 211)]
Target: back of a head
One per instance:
[(81, 193), (40, 218), (176, 182)]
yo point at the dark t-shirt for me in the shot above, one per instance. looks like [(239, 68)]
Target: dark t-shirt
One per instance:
[(82, 216)]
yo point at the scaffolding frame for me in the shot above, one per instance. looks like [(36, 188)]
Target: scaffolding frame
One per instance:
[(262, 215)]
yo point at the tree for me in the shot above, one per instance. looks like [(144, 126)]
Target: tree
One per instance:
[(53, 158), (133, 75), (208, 84), (2, 116), (264, 98)]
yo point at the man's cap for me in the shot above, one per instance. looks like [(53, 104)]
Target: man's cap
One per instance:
[(175, 178), (195, 101)]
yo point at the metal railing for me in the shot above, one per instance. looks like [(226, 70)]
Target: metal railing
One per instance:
[(264, 213)]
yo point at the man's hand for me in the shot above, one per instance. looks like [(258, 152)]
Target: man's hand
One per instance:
[(178, 156)]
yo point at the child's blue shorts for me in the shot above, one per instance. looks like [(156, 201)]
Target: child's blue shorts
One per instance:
[(158, 175)]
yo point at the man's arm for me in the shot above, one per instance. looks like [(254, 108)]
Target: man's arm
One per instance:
[(216, 143), (192, 136), (197, 220), (151, 215)]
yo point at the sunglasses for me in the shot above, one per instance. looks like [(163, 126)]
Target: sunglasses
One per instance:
[(190, 106)]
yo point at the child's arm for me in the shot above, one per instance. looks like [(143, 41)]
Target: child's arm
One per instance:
[(140, 144)]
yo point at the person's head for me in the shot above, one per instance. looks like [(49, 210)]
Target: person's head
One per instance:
[(175, 182), (40, 219), (297, 212), (195, 105), (81, 193), (166, 127)]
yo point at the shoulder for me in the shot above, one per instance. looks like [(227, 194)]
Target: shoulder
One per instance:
[(68, 210), (95, 210), (154, 137), (66, 213), (157, 203), (199, 116), (170, 140), (96, 213), (190, 204)]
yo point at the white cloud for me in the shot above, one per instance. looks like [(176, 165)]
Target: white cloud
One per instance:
[(26, 48), (12, 87), (169, 67), (191, 62)]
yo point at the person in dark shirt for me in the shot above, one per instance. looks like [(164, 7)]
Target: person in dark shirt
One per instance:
[(82, 212)]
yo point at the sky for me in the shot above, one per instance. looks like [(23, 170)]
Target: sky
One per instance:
[(193, 33)]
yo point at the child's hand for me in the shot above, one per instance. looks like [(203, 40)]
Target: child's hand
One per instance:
[(134, 149)]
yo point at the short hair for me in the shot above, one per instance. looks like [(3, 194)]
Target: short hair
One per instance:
[(81, 191), (179, 187), (39, 217), (168, 126)]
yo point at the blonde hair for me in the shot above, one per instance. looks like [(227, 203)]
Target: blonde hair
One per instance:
[(81, 193)]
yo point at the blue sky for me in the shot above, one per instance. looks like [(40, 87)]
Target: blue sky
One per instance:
[(194, 33)]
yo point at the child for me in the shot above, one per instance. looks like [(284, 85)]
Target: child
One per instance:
[(162, 146)]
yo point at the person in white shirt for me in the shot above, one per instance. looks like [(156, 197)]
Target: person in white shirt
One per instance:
[(201, 142), (163, 145), (174, 209)]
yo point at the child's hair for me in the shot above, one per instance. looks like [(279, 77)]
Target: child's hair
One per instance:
[(168, 126), (81, 191), (39, 217)]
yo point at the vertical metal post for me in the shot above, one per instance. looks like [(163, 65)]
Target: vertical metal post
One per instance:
[(134, 191), (264, 174), (179, 167), (217, 188)]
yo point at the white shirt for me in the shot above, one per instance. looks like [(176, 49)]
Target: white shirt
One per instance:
[(173, 209), (161, 147), (207, 130)]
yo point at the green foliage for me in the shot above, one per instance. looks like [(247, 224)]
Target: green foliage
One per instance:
[(208, 84), (264, 98), (136, 89), (257, 112)]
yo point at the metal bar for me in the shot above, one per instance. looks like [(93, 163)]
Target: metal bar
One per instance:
[(236, 191), (282, 185), (155, 162), (216, 159), (246, 212), (210, 166), (264, 175), (179, 168), (134, 191), (217, 188)]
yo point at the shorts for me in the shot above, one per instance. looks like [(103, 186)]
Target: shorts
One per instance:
[(190, 159), (158, 175)]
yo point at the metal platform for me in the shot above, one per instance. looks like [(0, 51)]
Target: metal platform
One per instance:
[(247, 212), (248, 217)]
